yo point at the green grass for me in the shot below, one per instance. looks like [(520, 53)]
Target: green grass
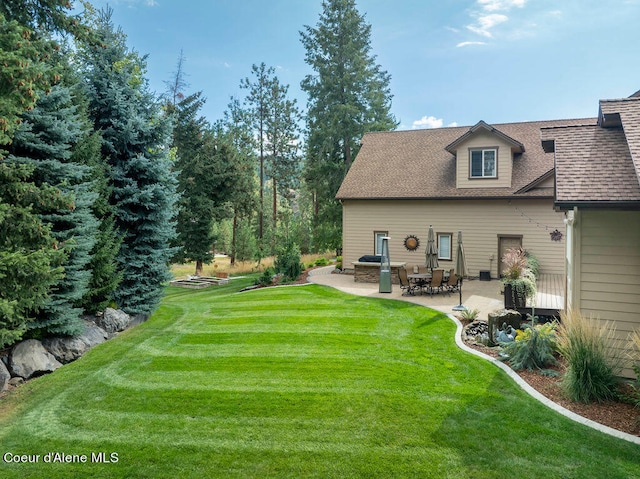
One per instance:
[(295, 382)]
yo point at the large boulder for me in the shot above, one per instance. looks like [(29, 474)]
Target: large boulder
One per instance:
[(113, 320), (4, 377), (93, 334), (65, 350), (29, 358)]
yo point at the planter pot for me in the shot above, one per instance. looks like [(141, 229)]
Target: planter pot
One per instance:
[(514, 299), (222, 274)]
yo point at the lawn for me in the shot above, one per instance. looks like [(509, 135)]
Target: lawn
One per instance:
[(293, 382)]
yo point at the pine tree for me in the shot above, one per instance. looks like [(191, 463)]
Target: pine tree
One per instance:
[(205, 182), (256, 111), (242, 197), (348, 95), (44, 141), (282, 138), (135, 143)]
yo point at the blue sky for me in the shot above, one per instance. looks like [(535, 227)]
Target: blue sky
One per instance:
[(452, 62)]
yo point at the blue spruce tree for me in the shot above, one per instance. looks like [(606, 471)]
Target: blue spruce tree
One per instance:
[(44, 142), (135, 139)]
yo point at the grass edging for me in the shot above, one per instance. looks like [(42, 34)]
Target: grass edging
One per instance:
[(536, 394)]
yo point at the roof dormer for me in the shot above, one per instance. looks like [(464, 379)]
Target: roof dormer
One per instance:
[(484, 157)]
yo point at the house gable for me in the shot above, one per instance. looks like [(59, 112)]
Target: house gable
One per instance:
[(484, 157)]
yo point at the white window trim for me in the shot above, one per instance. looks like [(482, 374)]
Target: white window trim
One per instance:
[(449, 240), (376, 243), (495, 159)]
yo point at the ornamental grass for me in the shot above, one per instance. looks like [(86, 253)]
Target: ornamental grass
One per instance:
[(586, 344)]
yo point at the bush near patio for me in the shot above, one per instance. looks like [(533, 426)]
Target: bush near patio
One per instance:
[(533, 348), (586, 343)]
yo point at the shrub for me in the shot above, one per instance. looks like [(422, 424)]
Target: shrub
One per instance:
[(288, 262), (266, 278), (339, 262), (470, 314), (533, 348), (321, 262), (586, 344)]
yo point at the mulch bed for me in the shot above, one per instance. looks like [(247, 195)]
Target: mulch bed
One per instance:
[(618, 415)]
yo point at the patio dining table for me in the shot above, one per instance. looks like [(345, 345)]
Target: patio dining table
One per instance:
[(423, 279), (420, 279)]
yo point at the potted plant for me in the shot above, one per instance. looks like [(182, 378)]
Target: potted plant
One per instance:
[(518, 279)]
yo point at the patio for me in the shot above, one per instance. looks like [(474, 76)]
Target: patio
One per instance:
[(484, 296)]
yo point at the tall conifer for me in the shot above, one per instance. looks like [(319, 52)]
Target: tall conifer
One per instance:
[(348, 95), (44, 141), (135, 142)]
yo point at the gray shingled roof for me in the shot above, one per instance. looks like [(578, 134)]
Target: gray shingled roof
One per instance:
[(414, 164), (599, 165)]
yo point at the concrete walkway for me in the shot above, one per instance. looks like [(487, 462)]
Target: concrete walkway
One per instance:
[(482, 295)]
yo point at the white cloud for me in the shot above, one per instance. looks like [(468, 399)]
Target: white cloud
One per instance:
[(430, 122), (466, 44), (498, 5), (487, 22)]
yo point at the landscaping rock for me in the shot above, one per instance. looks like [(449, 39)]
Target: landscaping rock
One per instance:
[(93, 334), (29, 358), (477, 331), (17, 381), (497, 319), (65, 350), (113, 320), (4, 377)]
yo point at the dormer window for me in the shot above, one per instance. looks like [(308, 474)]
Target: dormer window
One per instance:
[(483, 163)]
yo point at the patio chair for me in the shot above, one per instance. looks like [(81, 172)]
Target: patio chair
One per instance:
[(435, 286), (405, 285), (452, 283)]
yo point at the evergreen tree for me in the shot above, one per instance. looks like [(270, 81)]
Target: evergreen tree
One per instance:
[(105, 275), (135, 139), (44, 141), (348, 95), (205, 182), (242, 197), (30, 258), (282, 139), (255, 114)]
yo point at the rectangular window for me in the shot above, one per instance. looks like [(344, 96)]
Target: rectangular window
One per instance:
[(444, 246), (378, 235), (483, 163)]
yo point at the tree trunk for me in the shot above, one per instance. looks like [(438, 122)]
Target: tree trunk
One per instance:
[(199, 267), (347, 155), (233, 238)]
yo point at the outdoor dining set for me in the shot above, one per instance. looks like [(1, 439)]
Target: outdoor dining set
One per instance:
[(428, 282)]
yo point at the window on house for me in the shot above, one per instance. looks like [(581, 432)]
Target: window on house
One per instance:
[(378, 235), (444, 246), (483, 163)]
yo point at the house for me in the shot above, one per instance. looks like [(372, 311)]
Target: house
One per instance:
[(494, 183), (598, 189)]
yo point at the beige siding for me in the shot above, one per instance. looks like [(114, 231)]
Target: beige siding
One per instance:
[(481, 221), (609, 284), (505, 162)]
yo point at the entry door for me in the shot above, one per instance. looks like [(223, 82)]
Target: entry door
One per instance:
[(506, 242)]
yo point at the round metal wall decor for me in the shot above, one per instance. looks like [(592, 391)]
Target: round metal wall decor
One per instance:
[(411, 242)]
